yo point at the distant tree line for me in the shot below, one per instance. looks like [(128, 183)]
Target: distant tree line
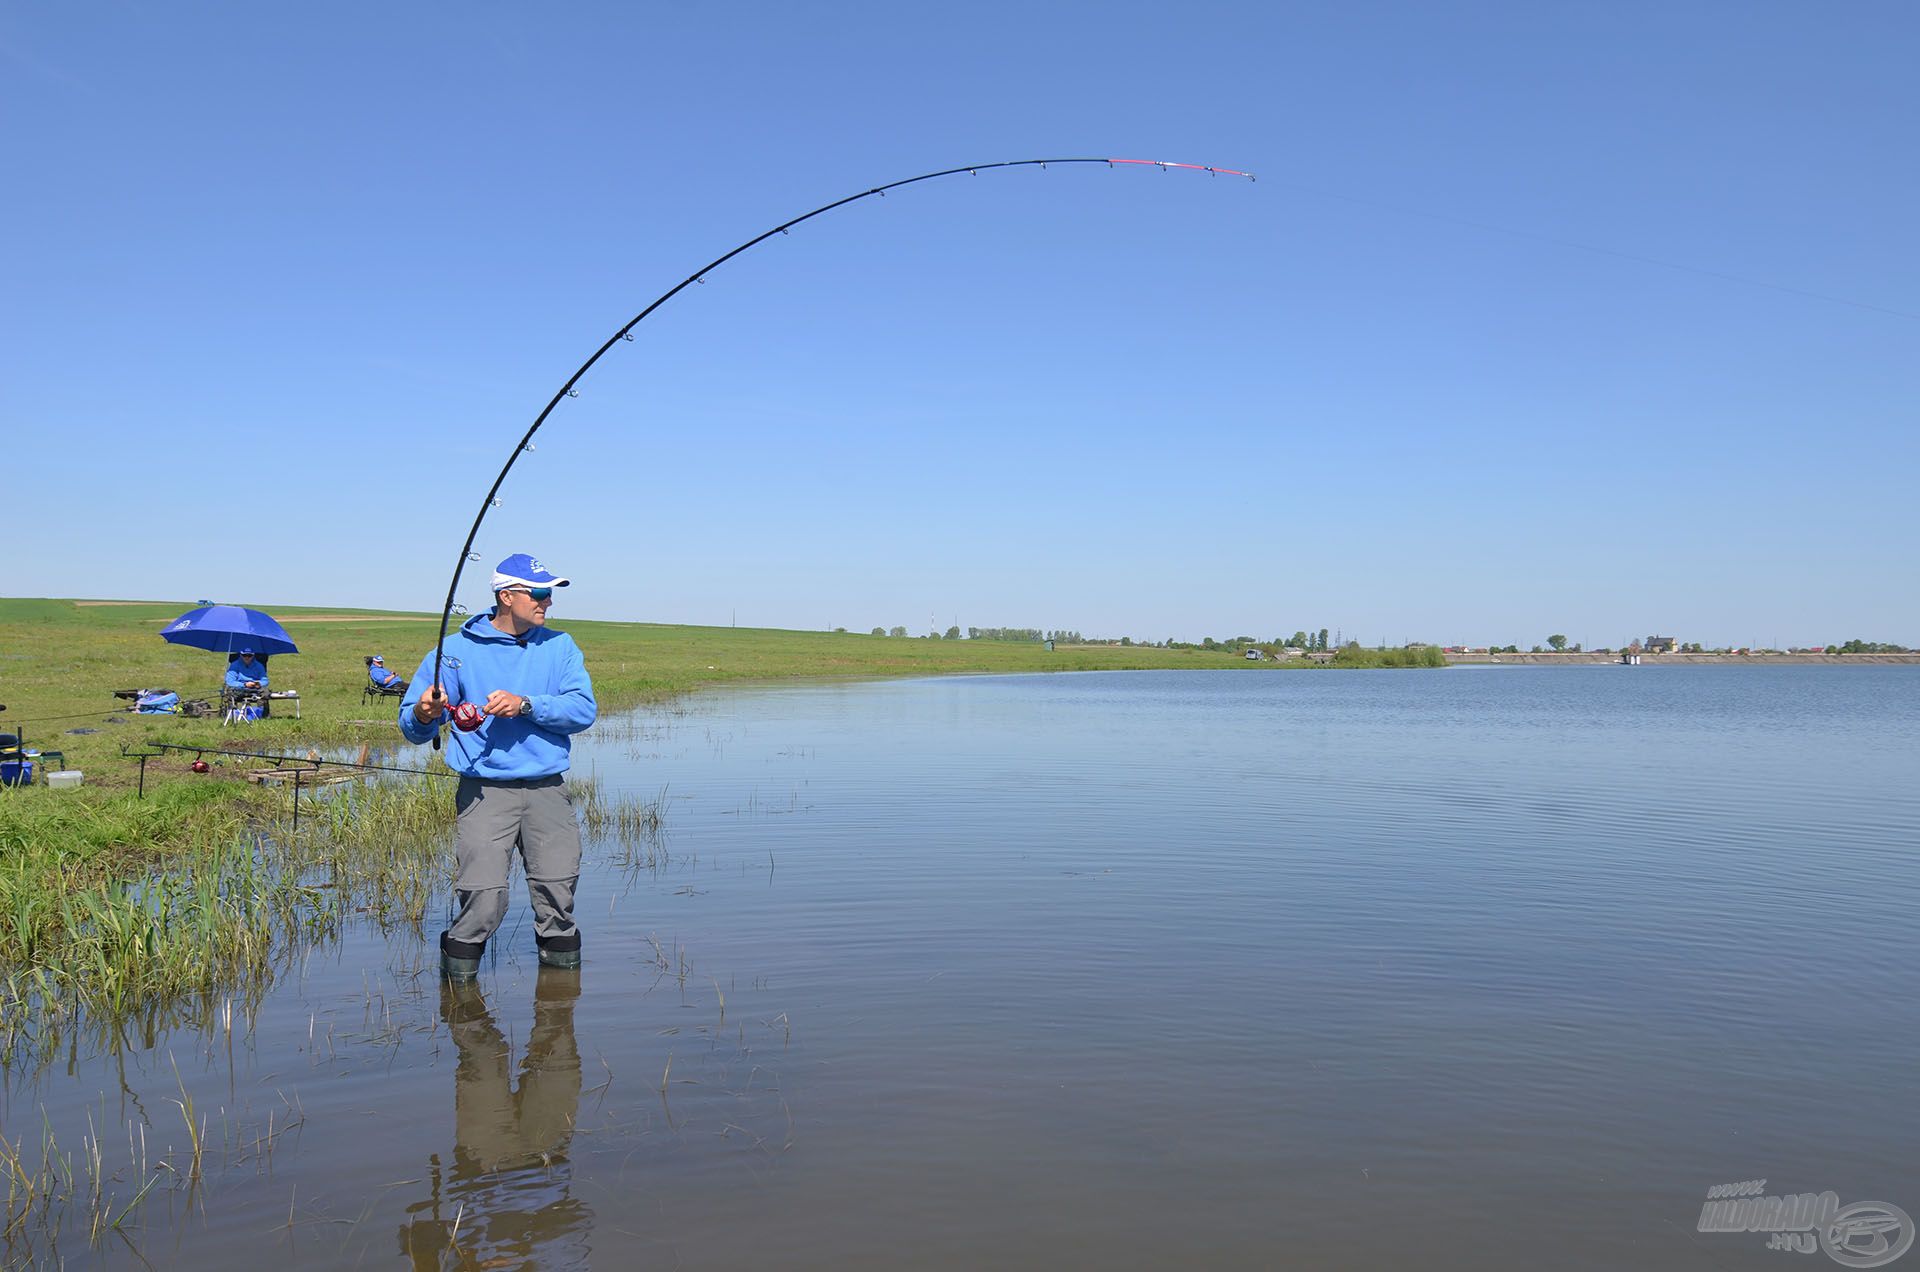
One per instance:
[(1061, 636), (1352, 655), (1301, 640), (1868, 647)]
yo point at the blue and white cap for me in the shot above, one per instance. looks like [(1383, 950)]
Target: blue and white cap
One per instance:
[(523, 570)]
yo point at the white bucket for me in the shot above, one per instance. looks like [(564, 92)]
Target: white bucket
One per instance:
[(62, 779)]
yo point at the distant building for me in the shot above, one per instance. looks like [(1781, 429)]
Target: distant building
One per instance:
[(1661, 645)]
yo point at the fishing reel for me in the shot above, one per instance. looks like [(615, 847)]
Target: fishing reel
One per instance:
[(467, 716)]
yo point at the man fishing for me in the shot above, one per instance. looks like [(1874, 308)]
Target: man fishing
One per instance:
[(524, 691)]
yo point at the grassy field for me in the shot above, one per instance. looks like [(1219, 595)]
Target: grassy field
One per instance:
[(113, 904), (60, 661)]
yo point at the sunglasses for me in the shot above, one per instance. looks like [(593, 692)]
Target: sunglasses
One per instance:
[(537, 593)]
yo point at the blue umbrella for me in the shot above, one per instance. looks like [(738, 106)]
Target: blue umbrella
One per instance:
[(227, 629)]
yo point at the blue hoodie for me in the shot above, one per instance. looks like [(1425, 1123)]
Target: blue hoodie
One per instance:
[(544, 665)]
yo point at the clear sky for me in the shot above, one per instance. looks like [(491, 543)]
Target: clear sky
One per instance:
[(1588, 318)]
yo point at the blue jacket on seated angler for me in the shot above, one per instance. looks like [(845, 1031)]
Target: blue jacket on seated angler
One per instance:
[(543, 666), (245, 666)]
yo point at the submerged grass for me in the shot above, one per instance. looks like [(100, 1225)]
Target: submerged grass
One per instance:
[(119, 912), (47, 1188), (119, 915), (634, 824)]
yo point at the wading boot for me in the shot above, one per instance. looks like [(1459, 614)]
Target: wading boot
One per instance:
[(459, 961), (559, 951)]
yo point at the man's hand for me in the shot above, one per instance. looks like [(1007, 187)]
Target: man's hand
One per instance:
[(432, 705), (502, 703)]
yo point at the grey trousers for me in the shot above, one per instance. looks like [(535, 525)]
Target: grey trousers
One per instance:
[(536, 817)]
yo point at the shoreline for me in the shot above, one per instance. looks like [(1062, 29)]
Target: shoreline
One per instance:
[(1585, 659)]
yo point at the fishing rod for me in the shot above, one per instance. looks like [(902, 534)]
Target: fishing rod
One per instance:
[(315, 762), (467, 715)]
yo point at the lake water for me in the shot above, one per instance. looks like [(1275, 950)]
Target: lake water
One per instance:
[(1487, 969)]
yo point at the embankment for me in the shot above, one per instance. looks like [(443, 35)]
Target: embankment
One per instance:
[(1681, 660)]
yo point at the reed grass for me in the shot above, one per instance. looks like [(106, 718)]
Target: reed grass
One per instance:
[(97, 925), (634, 824), (47, 1188)]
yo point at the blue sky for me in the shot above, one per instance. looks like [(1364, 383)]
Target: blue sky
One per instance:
[(283, 286)]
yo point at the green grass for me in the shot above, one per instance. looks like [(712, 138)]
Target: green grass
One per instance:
[(117, 910), (59, 659), (1353, 656)]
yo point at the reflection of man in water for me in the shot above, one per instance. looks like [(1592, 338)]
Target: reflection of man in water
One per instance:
[(510, 1181)]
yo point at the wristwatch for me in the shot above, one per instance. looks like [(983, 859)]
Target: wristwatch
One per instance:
[(526, 706)]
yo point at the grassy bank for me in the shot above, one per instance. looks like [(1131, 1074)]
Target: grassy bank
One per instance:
[(61, 660), (112, 904)]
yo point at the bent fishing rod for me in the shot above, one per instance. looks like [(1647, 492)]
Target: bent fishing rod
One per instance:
[(467, 716)]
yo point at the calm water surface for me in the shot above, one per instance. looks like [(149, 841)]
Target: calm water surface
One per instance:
[(1483, 968)]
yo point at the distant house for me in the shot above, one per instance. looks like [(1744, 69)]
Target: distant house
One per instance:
[(1292, 652), (1661, 645)]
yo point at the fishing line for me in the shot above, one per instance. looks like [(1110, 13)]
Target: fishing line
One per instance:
[(625, 333)]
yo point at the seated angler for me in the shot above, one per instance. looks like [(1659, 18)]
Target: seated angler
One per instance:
[(384, 679), (247, 672)]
